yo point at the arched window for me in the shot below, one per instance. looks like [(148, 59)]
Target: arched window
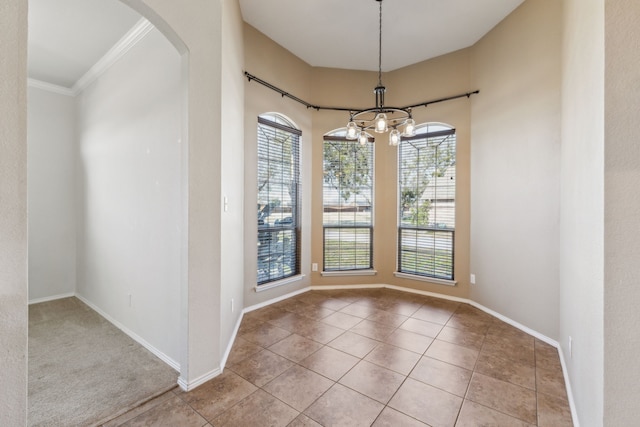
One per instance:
[(278, 198), (426, 202), (347, 195)]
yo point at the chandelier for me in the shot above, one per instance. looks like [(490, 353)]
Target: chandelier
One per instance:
[(380, 118)]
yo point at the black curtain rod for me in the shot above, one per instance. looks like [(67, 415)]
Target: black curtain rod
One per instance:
[(318, 107)]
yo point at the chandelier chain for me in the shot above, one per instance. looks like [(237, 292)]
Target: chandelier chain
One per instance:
[(380, 45)]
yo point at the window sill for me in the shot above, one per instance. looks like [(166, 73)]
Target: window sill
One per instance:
[(426, 279), (277, 283), (349, 273)]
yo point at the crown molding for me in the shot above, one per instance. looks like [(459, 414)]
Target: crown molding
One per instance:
[(129, 40), (50, 87)]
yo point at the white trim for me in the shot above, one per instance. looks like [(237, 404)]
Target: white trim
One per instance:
[(166, 359), (565, 373), (190, 385), (232, 340), (434, 280), (277, 283), (349, 273), (275, 300), (52, 298), (129, 40), (50, 87)]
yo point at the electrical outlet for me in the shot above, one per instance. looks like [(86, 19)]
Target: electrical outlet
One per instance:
[(232, 307), (570, 347), (314, 266), (472, 279)]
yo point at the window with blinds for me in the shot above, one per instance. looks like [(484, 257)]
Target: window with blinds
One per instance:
[(278, 199), (347, 204), (426, 202)]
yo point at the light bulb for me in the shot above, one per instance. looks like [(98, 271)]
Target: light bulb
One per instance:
[(362, 138), (394, 137), (352, 130), (381, 123), (410, 128)]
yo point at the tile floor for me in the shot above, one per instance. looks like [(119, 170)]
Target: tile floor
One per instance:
[(372, 358)]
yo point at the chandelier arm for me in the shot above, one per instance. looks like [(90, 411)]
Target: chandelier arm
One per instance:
[(284, 93)]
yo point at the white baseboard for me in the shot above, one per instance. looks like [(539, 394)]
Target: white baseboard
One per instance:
[(166, 359), (275, 300), (223, 362), (51, 298), (190, 385)]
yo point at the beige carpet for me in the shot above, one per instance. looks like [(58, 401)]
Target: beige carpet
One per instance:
[(82, 369)]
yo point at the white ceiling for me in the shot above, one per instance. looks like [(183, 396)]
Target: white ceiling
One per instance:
[(67, 37), (344, 33)]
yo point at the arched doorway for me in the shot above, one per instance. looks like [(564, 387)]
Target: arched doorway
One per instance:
[(125, 202)]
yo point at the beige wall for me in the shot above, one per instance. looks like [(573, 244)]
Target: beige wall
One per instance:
[(447, 75), (270, 62), (13, 217), (515, 166), (622, 213), (581, 208)]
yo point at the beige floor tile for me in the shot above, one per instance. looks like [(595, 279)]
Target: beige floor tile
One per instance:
[(421, 327), (241, 350), (373, 381), (392, 418), (506, 349), (553, 411), (520, 374), (466, 339), (452, 353), (292, 322), (342, 320), (354, 344), (334, 304), (403, 308), (372, 330), (547, 356), (426, 403), (320, 332), (295, 347), (219, 394), (469, 323), (262, 367), (313, 311), (265, 335), (358, 310), (303, 421), (394, 358), (442, 375), (386, 318), (409, 341), (549, 381), (475, 415), (519, 402), (433, 314), (341, 406), (330, 362), (259, 409), (298, 387)]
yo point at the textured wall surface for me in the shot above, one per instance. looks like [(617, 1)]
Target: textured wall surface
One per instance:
[(13, 213), (582, 205), (622, 213), (515, 166)]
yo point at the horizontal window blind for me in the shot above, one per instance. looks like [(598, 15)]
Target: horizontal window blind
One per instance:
[(426, 203), (278, 201), (347, 204)]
